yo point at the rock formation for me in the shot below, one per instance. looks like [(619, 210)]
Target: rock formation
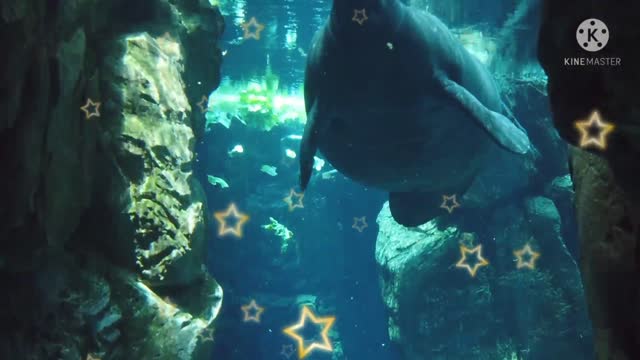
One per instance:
[(607, 198), (439, 311), (103, 224)]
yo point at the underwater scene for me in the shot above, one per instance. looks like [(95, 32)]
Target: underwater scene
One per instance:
[(319, 179)]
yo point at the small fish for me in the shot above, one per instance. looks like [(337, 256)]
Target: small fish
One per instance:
[(216, 181), (318, 163), (328, 175), (269, 170), (236, 150), (290, 153)]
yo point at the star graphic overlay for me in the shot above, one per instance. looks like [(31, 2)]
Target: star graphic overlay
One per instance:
[(201, 104), (252, 312), (360, 223), (208, 337), (289, 200), (252, 23), (594, 132), (223, 216), (526, 251), (449, 203), (287, 351), (91, 109), (327, 323), (462, 263), (359, 16)]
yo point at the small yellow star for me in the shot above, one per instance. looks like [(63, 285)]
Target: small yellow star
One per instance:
[(252, 312), (221, 217), (252, 35), (360, 223), (202, 103), (325, 345), (95, 109), (287, 351), (449, 203), (208, 337), (533, 256), (463, 264), (90, 357), (289, 200), (359, 16), (587, 127)]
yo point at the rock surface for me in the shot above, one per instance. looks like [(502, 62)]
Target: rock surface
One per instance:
[(607, 197), (96, 205), (438, 311), (609, 229)]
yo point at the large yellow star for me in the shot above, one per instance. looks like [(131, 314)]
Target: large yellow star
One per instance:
[(222, 216), (289, 200), (252, 35), (325, 345), (533, 256), (586, 128), (463, 264)]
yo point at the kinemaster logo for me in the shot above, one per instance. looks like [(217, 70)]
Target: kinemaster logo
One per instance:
[(592, 35)]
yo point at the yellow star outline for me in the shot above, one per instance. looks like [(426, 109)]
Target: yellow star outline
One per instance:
[(289, 200), (287, 350), (588, 139), (95, 111), (362, 221), (201, 104), (463, 264), (325, 345), (256, 310), (209, 336), (359, 16), (222, 216), (252, 35), (449, 203), (533, 256)]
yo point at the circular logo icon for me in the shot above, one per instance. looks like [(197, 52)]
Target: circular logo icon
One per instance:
[(592, 35)]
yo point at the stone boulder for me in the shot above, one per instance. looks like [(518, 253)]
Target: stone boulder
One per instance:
[(153, 143), (439, 311), (102, 220)]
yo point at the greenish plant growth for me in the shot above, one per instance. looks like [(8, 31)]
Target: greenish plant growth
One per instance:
[(257, 103), (280, 231)]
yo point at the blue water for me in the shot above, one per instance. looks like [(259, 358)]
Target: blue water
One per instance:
[(360, 314), (337, 263)]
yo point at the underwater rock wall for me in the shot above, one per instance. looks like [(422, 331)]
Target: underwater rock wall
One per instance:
[(607, 196), (439, 311), (102, 221)]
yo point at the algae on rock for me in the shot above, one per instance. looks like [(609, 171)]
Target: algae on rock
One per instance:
[(155, 155), (438, 311)]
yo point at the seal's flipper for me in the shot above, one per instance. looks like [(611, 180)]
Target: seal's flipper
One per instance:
[(501, 129), (309, 144), (414, 208)]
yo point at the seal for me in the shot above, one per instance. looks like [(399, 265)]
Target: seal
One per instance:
[(397, 103)]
